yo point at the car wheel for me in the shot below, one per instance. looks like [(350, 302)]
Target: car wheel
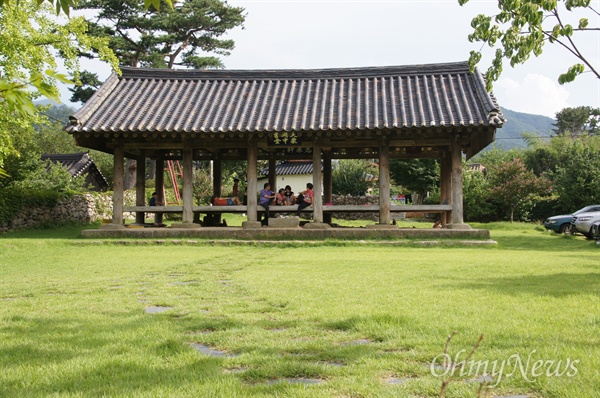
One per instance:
[(565, 229)]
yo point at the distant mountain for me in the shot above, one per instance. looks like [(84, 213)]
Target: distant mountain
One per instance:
[(509, 136), (57, 112)]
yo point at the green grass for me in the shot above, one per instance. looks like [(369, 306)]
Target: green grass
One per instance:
[(73, 319)]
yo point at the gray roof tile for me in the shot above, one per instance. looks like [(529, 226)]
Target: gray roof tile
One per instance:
[(289, 100)]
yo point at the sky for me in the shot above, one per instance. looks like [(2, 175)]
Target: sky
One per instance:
[(305, 34)]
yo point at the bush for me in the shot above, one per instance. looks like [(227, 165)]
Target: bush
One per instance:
[(349, 177), (546, 207)]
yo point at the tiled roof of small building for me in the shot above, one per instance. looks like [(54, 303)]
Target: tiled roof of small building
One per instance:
[(77, 164), (291, 168), (168, 100)]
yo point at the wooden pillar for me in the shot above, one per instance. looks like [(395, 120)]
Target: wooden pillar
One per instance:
[(384, 182), (252, 178), (159, 186), (118, 179), (140, 187), (317, 184), (217, 181), (456, 181), (188, 191), (272, 171), (445, 183), (218, 174), (327, 184)]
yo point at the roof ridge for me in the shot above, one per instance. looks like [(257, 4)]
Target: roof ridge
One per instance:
[(295, 74)]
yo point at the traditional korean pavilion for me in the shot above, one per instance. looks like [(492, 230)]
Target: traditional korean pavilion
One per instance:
[(418, 111)]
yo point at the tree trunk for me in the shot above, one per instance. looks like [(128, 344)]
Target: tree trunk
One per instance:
[(152, 169), (130, 174)]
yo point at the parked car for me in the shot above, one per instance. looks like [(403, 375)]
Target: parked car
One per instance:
[(596, 231), (583, 222), (563, 223)]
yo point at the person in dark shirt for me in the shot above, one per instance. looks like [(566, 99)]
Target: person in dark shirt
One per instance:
[(266, 197)]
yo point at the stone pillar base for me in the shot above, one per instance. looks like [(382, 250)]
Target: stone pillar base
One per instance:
[(288, 222), (112, 226), (186, 225), (316, 225), (251, 224), (458, 226), (381, 226)]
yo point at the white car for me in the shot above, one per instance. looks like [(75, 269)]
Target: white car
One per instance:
[(583, 222)]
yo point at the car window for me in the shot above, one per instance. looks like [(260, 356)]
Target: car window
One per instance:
[(587, 209)]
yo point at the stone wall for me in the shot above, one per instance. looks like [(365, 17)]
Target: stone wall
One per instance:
[(356, 201), (83, 208)]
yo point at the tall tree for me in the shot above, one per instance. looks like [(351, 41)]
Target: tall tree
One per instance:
[(186, 35), (523, 27), (578, 121), (173, 37)]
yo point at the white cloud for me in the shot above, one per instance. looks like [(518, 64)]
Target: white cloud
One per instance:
[(536, 94)]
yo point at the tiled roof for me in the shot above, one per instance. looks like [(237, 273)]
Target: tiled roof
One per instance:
[(167, 100), (291, 168), (77, 164)]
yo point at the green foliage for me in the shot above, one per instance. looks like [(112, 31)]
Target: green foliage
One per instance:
[(30, 38), (522, 28), (577, 179), (13, 199), (417, 175), (478, 204), (349, 177), (574, 122), (515, 186)]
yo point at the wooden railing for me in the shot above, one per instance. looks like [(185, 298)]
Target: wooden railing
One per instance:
[(292, 209)]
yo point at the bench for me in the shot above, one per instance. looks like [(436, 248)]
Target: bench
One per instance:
[(292, 209)]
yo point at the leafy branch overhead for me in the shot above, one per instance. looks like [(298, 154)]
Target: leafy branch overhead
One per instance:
[(523, 27), (66, 5)]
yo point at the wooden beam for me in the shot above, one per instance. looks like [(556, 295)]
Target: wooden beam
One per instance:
[(188, 186), (159, 185), (272, 177), (252, 179), (118, 180), (327, 184), (140, 187), (317, 184), (384, 183), (456, 178)]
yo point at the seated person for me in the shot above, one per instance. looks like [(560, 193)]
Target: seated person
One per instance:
[(154, 200), (216, 201), (307, 198), (280, 198), (290, 199)]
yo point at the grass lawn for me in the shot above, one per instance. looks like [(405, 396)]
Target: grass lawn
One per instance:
[(323, 321)]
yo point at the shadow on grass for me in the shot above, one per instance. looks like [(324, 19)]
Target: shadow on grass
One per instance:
[(555, 285), (43, 356), (67, 231), (543, 242)]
